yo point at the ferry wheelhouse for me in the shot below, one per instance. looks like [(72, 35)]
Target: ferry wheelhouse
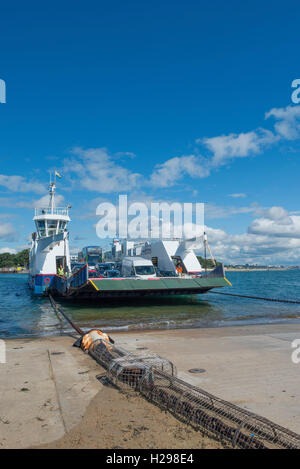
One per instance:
[(49, 253)]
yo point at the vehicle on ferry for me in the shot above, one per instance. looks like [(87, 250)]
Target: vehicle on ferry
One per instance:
[(112, 274), (104, 266), (137, 267), (93, 273), (92, 255)]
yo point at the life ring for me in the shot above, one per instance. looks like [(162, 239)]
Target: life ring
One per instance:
[(47, 280)]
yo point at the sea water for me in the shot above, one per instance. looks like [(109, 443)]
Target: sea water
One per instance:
[(25, 315)]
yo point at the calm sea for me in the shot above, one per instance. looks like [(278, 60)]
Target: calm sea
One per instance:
[(23, 315)]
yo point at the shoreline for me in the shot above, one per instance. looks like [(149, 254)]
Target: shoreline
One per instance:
[(123, 330), (239, 328), (271, 269)]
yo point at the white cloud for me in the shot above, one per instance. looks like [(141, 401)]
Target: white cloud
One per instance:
[(213, 211), (227, 147), (97, 171), (44, 201), (270, 227), (170, 172), (24, 246), (6, 215), (272, 213), (79, 238), (253, 248), (287, 123), (7, 202), (7, 232), (9, 250), (238, 195), (273, 238), (276, 222), (222, 149), (250, 248), (19, 184), (40, 203), (74, 250)]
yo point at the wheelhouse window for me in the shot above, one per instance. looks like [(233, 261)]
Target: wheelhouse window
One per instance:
[(62, 226), (41, 228), (52, 226)]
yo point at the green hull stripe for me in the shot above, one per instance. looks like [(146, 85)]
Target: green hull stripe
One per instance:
[(159, 284)]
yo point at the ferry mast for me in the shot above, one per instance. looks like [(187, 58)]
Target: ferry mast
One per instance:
[(52, 188)]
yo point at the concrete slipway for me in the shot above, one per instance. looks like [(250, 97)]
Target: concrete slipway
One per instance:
[(46, 384)]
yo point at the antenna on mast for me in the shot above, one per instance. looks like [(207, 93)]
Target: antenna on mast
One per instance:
[(52, 188)]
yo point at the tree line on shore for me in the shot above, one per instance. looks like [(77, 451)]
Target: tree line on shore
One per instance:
[(208, 263), (20, 259)]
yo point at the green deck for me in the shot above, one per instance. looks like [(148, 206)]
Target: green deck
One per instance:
[(162, 284)]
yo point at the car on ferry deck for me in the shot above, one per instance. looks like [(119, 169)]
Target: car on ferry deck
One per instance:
[(112, 274), (138, 267), (93, 273)]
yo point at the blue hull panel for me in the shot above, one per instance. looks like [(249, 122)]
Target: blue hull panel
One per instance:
[(40, 283)]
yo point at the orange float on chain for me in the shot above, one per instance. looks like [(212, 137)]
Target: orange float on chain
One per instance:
[(92, 336)]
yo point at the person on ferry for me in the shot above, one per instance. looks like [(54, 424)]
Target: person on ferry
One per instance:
[(60, 270), (179, 268)]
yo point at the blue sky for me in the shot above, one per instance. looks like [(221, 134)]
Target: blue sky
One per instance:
[(177, 101)]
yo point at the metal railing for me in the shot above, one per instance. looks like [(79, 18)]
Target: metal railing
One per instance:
[(47, 211), (79, 278)]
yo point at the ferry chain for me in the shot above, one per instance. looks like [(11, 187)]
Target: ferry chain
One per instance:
[(295, 302), (58, 309)]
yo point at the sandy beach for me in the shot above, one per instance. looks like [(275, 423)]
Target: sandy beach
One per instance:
[(55, 396)]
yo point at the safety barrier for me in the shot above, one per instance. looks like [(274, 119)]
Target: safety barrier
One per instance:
[(79, 278), (59, 284)]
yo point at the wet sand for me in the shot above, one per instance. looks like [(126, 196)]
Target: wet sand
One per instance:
[(115, 420)]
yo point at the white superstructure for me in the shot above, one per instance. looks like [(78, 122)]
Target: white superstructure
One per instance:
[(49, 253), (167, 254)]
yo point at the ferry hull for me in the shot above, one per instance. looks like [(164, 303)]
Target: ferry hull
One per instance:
[(41, 283), (105, 289)]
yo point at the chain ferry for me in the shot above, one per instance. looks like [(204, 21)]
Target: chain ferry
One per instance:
[(156, 268)]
